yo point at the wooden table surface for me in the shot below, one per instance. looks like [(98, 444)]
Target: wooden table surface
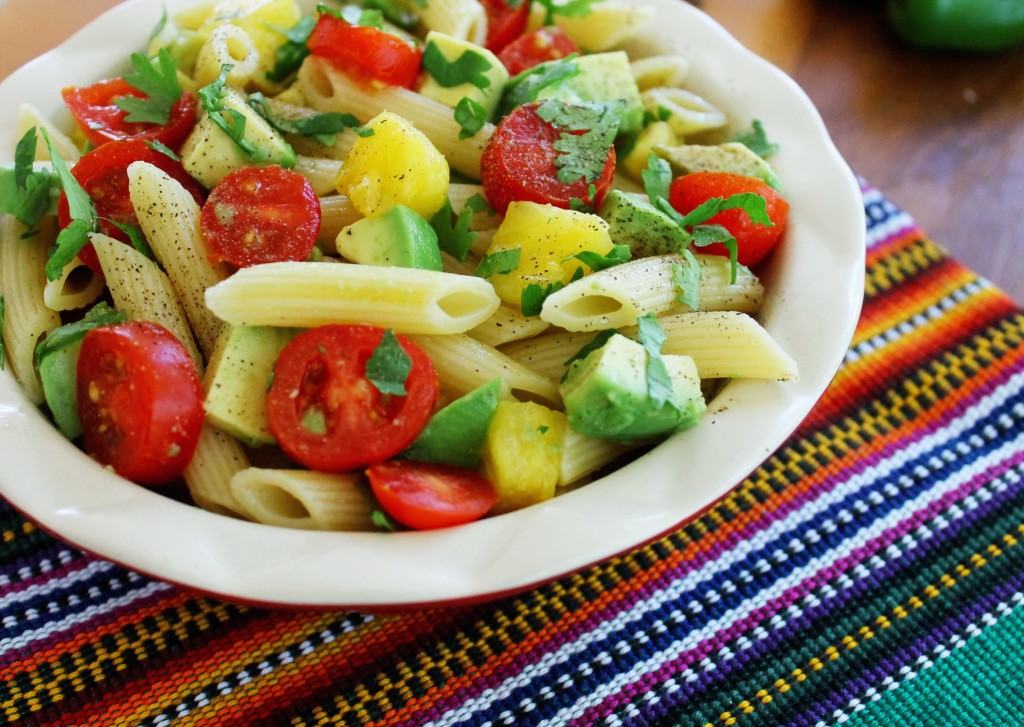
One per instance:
[(939, 133)]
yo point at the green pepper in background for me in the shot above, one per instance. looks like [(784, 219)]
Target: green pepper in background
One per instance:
[(973, 25)]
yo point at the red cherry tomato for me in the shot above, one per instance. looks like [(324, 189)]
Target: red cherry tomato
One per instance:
[(505, 22), (427, 495), (326, 414), (753, 241), (540, 46), (518, 163), (100, 119), (103, 173), (140, 401), (365, 53), (261, 215)]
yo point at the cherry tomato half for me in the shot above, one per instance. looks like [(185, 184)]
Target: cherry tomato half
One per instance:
[(539, 46), (261, 215), (326, 414), (427, 495), (505, 22), (140, 401), (518, 163), (753, 241), (366, 53), (103, 174), (94, 108)]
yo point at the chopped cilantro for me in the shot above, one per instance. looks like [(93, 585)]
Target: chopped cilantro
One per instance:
[(289, 55), (27, 193), (583, 155), (657, 178), (526, 86), (231, 121), (599, 340), (159, 146), (160, 25), (502, 262), (595, 261), (454, 239), (389, 366), (470, 116), (686, 278), (321, 127), (383, 521), (135, 235), (355, 15), (470, 67), (75, 236), (397, 12), (63, 336), (531, 300), (652, 338), (160, 84), (478, 204), (757, 141), (569, 8)]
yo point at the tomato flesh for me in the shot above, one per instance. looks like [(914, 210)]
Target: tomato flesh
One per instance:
[(428, 495), (366, 53), (95, 110), (103, 174), (539, 46), (504, 23), (753, 241), (140, 401), (518, 163), (327, 415), (261, 215)]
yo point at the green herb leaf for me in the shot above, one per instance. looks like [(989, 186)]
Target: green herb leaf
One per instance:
[(397, 11), (70, 242), (583, 155), (455, 239), (657, 178), (599, 340), (80, 204), (163, 149), (595, 261), (230, 121), (652, 338), (531, 300), (321, 127), (289, 55), (527, 86), (61, 337), (160, 84), (389, 366), (478, 204), (499, 263), (753, 204), (470, 67), (570, 8), (28, 193), (383, 521), (136, 237), (757, 141), (470, 116), (686, 277)]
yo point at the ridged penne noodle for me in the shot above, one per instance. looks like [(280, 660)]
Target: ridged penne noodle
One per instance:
[(508, 324), (463, 19), (320, 172), (227, 45), (548, 353), (304, 499), (26, 317), (142, 291), (617, 296), (29, 116), (464, 364), (663, 71), (312, 146), (328, 89), (306, 294), (725, 344), (217, 459), (605, 26), (336, 213), (583, 455), (687, 113), (169, 218), (77, 287)]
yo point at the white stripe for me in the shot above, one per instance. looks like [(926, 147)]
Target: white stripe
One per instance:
[(44, 589), (758, 542)]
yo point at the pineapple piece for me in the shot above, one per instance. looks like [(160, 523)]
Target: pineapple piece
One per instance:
[(396, 164), (547, 238), (522, 454)]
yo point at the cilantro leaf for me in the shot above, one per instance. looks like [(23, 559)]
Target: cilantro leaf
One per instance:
[(470, 116), (355, 15), (75, 236), (599, 340), (134, 234), (454, 239), (321, 127), (289, 55), (26, 192), (657, 178), (157, 145), (478, 204), (757, 141), (687, 278), (383, 521), (63, 336), (70, 242), (531, 300), (753, 204), (570, 8), (583, 155), (397, 12), (595, 261), (527, 86), (229, 120), (502, 262), (389, 366), (470, 67), (659, 382), (158, 82)]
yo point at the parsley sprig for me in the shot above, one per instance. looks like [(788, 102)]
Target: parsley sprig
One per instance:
[(159, 82), (470, 67), (569, 8), (455, 237), (389, 366), (659, 383), (323, 128), (28, 193), (587, 132)]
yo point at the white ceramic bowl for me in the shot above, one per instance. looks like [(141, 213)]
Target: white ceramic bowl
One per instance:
[(815, 283)]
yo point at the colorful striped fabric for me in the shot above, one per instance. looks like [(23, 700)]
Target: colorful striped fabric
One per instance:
[(870, 572)]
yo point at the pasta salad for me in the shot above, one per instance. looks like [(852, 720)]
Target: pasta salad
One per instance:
[(384, 265)]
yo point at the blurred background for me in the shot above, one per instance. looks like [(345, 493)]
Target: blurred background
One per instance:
[(940, 132)]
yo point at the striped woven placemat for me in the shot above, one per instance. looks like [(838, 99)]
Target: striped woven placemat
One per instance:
[(871, 571)]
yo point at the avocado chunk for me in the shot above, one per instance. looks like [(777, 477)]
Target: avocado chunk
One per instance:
[(237, 377), (57, 364), (634, 221), (210, 153), (606, 394), (456, 434), (731, 156), (456, 69), (398, 238)]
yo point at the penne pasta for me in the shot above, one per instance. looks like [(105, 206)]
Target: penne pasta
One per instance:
[(462, 19), (664, 71), (320, 172), (307, 294), (548, 353), (583, 455), (304, 499), (336, 213), (685, 112), (77, 287), (218, 457), (29, 116), (508, 324), (227, 45), (607, 25)]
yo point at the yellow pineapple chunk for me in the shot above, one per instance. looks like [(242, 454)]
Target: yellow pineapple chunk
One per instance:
[(547, 238), (396, 164), (523, 453)]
